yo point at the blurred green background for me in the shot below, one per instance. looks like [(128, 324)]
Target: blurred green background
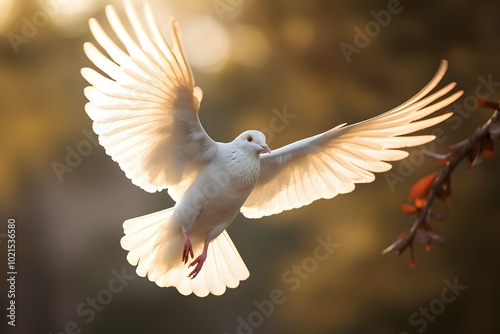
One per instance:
[(250, 57)]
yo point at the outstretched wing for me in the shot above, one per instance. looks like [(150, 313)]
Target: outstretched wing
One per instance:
[(332, 162), (146, 112)]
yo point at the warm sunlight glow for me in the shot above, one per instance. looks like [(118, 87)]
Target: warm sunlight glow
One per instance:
[(70, 17), (250, 46), (298, 33), (207, 43), (6, 11)]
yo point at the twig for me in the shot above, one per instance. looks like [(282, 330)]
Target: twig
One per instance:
[(464, 149), (446, 171)]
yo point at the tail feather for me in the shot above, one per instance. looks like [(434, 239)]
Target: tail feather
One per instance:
[(230, 255), (141, 234), (214, 276), (155, 245), (223, 269)]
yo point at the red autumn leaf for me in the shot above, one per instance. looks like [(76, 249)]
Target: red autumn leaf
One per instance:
[(421, 189), (409, 209), (420, 202)]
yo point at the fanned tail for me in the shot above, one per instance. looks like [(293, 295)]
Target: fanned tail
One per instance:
[(155, 245)]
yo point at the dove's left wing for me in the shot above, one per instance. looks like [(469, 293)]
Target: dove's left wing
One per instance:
[(331, 163), (146, 115)]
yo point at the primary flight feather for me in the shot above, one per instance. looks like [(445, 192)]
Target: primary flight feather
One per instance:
[(145, 112)]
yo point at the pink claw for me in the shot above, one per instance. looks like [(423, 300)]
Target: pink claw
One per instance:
[(188, 248), (199, 264), (199, 261)]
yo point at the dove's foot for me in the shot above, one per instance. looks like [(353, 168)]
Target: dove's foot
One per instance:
[(199, 261), (188, 248), (199, 264)]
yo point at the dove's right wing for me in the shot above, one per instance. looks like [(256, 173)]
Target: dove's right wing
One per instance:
[(332, 162), (146, 115)]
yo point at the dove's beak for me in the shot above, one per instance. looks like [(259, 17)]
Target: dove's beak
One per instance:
[(265, 148)]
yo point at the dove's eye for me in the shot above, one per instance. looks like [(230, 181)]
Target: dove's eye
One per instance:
[(249, 139)]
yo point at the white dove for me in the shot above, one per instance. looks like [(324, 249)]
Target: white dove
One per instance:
[(146, 116)]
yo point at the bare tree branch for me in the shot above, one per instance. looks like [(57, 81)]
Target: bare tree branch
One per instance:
[(473, 148)]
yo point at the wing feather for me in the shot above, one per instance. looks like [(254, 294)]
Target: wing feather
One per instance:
[(331, 163), (146, 110)]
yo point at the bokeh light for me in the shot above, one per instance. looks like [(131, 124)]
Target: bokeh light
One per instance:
[(7, 8), (70, 17), (207, 43), (250, 46)]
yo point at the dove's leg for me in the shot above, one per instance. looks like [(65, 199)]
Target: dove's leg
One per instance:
[(199, 260), (188, 247)]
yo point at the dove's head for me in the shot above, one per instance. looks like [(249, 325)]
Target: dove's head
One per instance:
[(253, 141)]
